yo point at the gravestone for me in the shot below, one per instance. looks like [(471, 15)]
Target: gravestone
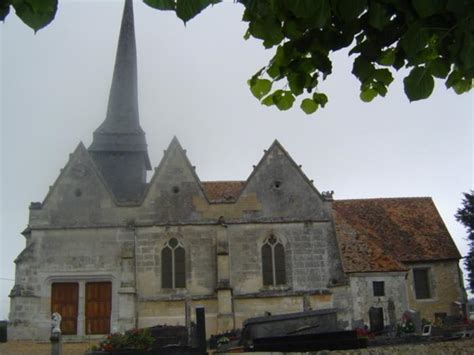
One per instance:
[(3, 331)]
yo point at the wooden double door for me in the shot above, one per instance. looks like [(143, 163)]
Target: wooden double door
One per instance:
[(97, 307)]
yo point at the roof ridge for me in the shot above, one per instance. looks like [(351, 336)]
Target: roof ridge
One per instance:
[(385, 198), (214, 181)]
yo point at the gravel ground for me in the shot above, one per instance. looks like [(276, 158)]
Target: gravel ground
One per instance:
[(34, 348), (458, 347)]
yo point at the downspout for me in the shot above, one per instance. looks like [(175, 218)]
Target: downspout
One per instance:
[(135, 247)]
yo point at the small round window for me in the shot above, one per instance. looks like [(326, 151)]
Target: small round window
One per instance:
[(277, 184), (175, 189), (77, 192)]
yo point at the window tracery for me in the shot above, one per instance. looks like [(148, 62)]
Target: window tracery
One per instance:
[(273, 262), (173, 268)]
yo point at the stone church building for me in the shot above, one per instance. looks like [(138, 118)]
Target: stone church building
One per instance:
[(111, 251)]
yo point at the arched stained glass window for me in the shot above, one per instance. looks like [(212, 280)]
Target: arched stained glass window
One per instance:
[(173, 265), (273, 262)]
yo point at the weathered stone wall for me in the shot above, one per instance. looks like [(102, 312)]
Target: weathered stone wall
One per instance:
[(172, 312), (257, 307), (363, 297), (74, 255), (199, 243), (445, 289), (342, 301), (309, 264), (81, 233), (289, 302), (310, 269)]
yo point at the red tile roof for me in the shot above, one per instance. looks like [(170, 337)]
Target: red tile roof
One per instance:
[(382, 234), (222, 191)]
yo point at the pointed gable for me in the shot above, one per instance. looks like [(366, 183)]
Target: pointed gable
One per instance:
[(283, 189), (79, 194), (173, 187)]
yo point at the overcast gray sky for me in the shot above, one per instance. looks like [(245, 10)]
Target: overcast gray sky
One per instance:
[(192, 84)]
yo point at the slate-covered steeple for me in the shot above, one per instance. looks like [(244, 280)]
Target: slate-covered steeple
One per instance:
[(119, 146)]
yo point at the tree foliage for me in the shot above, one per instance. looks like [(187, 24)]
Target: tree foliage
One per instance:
[(430, 38), (465, 215)]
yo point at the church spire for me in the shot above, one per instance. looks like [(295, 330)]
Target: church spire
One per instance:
[(121, 129), (119, 145)]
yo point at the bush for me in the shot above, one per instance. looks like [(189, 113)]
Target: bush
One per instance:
[(134, 339)]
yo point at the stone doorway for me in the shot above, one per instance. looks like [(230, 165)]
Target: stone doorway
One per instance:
[(376, 319)]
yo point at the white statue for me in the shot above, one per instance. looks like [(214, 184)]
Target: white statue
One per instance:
[(56, 323)]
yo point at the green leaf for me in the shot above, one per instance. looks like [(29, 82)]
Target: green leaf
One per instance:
[(418, 84), (274, 70), (301, 8), (368, 95), (323, 12), (383, 75), (161, 4), (313, 82), (283, 99), (378, 15), (362, 68), (268, 29), (280, 58), (303, 65), (349, 10), (453, 78), (320, 99), (186, 9), (322, 62), (414, 40), (257, 29), (427, 8), (247, 34), (4, 10), (467, 52), (291, 30), (457, 6), (458, 83), (462, 86), (297, 82), (380, 88), (399, 60), (439, 68), (309, 106), (268, 101), (35, 13), (387, 57), (260, 87)]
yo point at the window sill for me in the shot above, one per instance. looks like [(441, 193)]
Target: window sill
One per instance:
[(275, 288), (425, 299), (174, 291)]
